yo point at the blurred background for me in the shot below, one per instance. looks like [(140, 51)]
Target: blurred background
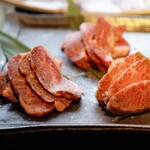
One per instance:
[(134, 14)]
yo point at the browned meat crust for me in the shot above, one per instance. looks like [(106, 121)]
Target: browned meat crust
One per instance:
[(24, 77), (99, 44), (136, 72), (28, 99), (74, 48), (5, 87), (25, 68), (114, 71), (134, 98), (50, 76), (60, 103), (125, 87)]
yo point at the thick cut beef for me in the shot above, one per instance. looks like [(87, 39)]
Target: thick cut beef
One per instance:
[(97, 45), (5, 87), (138, 71), (74, 48), (29, 100), (125, 87), (114, 71), (97, 49), (135, 98), (51, 77), (88, 32), (60, 103), (25, 68)]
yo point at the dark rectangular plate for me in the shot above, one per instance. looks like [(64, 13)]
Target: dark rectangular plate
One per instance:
[(86, 114)]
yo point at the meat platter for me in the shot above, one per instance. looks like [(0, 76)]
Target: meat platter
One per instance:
[(85, 114)]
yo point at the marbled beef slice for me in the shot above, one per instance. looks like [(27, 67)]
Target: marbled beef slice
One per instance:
[(138, 71), (133, 99), (114, 71)]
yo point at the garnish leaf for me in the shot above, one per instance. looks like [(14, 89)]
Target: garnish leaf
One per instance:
[(96, 73), (118, 118), (11, 46), (75, 17)]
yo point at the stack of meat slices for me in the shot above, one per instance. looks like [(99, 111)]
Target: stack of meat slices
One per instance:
[(95, 45), (125, 88), (34, 79)]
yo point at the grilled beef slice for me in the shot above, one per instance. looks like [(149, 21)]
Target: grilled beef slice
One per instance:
[(29, 100), (51, 77), (125, 87), (25, 68), (138, 71), (6, 88), (60, 103), (114, 71), (74, 48), (99, 43), (133, 99)]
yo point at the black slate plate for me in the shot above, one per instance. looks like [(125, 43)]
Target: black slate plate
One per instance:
[(86, 114)]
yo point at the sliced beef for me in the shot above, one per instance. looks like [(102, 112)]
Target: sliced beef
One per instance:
[(125, 87), (95, 61), (51, 77), (138, 71), (114, 71), (99, 56), (97, 45), (74, 48), (121, 48), (133, 99), (88, 32), (5, 87), (29, 100), (25, 68), (60, 103)]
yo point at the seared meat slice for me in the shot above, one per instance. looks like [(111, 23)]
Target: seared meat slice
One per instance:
[(60, 103), (125, 87), (95, 61), (51, 77), (5, 87), (114, 71), (29, 100), (121, 48), (134, 98), (25, 68), (97, 45), (88, 32), (138, 71), (99, 57), (74, 48)]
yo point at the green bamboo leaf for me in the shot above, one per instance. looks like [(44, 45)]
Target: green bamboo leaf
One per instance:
[(11, 46), (95, 73), (75, 17), (118, 118)]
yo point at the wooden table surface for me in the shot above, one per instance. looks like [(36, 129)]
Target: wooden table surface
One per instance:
[(51, 38)]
